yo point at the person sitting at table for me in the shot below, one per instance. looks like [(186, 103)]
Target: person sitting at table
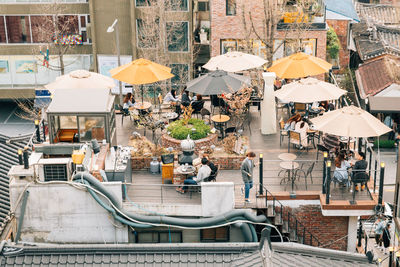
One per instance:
[(360, 166), (210, 164), (129, 101), (340, 175), (171, 98), (302, 128), (331, 142), (198, 103), (291, 122), (203, 173), (185, 99)]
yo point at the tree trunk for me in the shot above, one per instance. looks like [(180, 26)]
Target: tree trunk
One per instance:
[(61, 63)]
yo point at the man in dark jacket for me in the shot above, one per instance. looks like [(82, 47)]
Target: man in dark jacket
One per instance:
[(360, 166), (185, 99)]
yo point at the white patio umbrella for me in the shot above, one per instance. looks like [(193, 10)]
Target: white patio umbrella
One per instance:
[(350, 121), (309, 90), (234, 62), (81, 79)]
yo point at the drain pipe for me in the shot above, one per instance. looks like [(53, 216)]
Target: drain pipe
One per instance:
[(21, 216)]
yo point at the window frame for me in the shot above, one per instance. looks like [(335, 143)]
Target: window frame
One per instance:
[(158, 236), (226, 8), (188, 36), (28, 16), (210, 240)]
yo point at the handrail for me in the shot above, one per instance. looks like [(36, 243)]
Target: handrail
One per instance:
[(289, 216)]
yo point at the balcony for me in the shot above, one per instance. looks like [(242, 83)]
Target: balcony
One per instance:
[(312, 17)]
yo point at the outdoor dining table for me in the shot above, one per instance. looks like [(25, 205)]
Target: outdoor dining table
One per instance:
[(287, 156), (289, 167), (220, 122), (186, 170)]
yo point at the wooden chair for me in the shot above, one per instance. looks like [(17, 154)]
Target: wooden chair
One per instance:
[(300, 108), (282, 131), (295, 139)]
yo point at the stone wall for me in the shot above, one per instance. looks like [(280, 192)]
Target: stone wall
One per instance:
[(168, 141), (326, 228)]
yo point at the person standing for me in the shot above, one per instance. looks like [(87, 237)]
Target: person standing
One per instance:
[(386, 237), (360, 166), (379, 226), (247, 168)]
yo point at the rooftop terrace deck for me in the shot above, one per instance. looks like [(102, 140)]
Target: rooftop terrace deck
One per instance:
[(146, 187)]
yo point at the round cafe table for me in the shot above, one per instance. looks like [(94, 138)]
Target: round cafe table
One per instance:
[(220, 122), (142, 107), (289, 167), (287, 156)]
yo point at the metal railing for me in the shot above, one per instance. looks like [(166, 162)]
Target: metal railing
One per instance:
[(293, 223)]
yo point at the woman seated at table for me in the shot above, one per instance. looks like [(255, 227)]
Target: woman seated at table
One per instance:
[(171, 98), (341, 175), (129, 101), (197, 103), (291, 122), (185, 99), (203, 173), (316, 108), (302, 128)]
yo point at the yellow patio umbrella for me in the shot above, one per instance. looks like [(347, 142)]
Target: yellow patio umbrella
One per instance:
[(141, 71), (299, 65)]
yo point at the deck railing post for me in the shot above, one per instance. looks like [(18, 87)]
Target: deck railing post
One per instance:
[(37, 126), (370, 161), (44, 131), (376, 167), (328, 181), (381, 184), (324, 173), (359, 234), (261, 175)]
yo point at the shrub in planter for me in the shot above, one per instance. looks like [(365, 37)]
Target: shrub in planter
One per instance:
[(384, 143), (180, 131)]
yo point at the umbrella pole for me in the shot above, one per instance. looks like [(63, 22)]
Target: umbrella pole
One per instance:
[(141, 89)]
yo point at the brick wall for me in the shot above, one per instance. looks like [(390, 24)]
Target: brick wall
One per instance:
[(326, 228), (231, 27), (341, 29), (168, 141)]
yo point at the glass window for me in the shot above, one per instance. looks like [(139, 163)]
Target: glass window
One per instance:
[(42, 29), (228, 45), (176, 5), (68, 122), (178, 36), (220, 234), (18, 29), (2, 30), (230, 7), (147, 33), (203, 6), (143, 3), (91, 128), (307, 46), (159, 237), (181, 72)]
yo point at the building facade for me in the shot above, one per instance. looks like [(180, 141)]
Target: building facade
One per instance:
[(231, 29), (81, 36)]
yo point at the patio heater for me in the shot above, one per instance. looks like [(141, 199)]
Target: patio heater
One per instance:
[(187, 155)]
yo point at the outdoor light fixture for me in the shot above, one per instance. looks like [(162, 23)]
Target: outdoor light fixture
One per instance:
[(36, 122), (382, 164), (325, 154), (328, 163), (111, 29), (261, 155)]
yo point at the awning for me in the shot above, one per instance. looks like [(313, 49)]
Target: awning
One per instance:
[(42, 102), (384, 104)]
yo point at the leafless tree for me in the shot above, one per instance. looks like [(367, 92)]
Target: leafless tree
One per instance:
[(54, 31), (262, 23), (163, 37)]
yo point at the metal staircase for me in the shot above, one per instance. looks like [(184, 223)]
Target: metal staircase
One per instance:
[(286, 222)]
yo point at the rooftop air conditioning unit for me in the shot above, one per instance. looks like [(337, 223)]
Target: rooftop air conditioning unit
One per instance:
[(55, 169)]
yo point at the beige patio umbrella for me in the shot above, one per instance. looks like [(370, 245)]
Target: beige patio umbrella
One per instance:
[(350, 121), (234, 62), (309, 90), (78, 79)]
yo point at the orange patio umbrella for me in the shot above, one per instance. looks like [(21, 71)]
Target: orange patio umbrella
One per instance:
[(141, 71), (299, 65)]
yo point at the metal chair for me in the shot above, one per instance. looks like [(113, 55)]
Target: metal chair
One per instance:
[(282, 131), (358, 178), (205, 112)]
